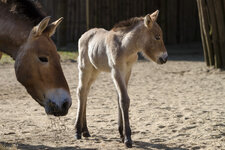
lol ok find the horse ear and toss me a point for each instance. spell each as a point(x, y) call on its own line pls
point(50, 30)
point(154, 15)
point(150, 19)
point(38, 29)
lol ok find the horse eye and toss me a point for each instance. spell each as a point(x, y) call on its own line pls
point(157, 37)
point(43, 59)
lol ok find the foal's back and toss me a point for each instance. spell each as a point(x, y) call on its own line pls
point(92, 49)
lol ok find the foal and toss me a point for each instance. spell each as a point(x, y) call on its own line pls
point(116, 51)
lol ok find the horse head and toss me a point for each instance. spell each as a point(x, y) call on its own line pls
point(38, 68)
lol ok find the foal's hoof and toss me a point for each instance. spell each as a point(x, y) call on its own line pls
point(128, 143)
point(122, 139)
point(86, 134)
point(77, 136)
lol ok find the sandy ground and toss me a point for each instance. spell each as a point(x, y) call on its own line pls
point(180, 105)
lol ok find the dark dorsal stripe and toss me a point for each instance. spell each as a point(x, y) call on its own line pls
point(27, 9)
point(127, 24)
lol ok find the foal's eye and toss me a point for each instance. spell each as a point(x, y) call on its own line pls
point(157, 37)
point(43, 59)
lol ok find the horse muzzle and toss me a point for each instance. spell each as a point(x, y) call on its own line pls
point(163, 58)
point(52, 108)
point(58, 102)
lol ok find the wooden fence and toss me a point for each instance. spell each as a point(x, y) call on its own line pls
point(178, 18)
point(212, 20)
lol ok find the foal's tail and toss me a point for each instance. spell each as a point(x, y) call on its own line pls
point(83, 45)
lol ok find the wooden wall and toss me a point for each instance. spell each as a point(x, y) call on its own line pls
point(178, 18)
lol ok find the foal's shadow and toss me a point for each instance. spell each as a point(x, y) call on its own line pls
point(41, 147)
point(138, 144)
point(150, 146)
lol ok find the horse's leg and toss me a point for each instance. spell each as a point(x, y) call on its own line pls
point(120, 120)
point(81, 97)
point(124, 103)
point(86, 77)
point(0, 55)
point(92, 79)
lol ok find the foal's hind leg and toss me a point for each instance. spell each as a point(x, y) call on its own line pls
point(86, 77)
point(85, 131)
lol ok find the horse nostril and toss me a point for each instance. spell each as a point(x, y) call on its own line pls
point(51, 103)
point(65, 105)
point(161, 60)
point(166, 58)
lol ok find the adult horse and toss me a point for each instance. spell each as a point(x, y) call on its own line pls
point(116, 51)
point(25, 36)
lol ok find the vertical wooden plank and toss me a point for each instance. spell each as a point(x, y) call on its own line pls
point(62, 12)
point(87, 15)
point(172, 21)
point(221, 27)
point(215, 38)
point(206, 31)
point(162, 18)
point(202, 23)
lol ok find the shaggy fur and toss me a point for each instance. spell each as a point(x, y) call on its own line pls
point(127, 24)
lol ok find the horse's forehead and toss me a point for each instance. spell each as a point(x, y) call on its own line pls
point(44, 44)
point(156, 29)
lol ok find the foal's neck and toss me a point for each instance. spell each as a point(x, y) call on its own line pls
point(14, 33)
point(132, 37)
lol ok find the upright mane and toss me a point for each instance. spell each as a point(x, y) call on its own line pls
point(127, 24)
point(25, 9)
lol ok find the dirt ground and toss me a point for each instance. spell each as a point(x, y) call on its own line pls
point(179, 105)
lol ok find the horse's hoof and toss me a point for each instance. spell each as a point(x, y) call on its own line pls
point(86, 134)
point(128, 143)
point(77, 136)
point(122, 139)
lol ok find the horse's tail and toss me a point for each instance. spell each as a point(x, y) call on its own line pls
point(83, 45)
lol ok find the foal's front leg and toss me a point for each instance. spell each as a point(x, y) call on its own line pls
point(120, 119)
point(124, 102)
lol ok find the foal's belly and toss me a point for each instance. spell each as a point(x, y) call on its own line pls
point(99, 60)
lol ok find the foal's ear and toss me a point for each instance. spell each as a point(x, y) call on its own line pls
point(50, 30)
point(150, 19)
point(38, 29)
point(154, 15)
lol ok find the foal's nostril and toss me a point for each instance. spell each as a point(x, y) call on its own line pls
point(166, 58)
point(163, 59)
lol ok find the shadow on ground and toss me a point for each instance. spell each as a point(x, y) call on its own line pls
point(41, 147)
point(150, 146)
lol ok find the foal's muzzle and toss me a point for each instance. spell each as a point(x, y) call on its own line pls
point(163, 59)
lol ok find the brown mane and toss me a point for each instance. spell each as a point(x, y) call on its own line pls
point(127, 24)
point(24, 9)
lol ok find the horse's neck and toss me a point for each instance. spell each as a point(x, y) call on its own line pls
point(14, 33)
point(130, 39)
